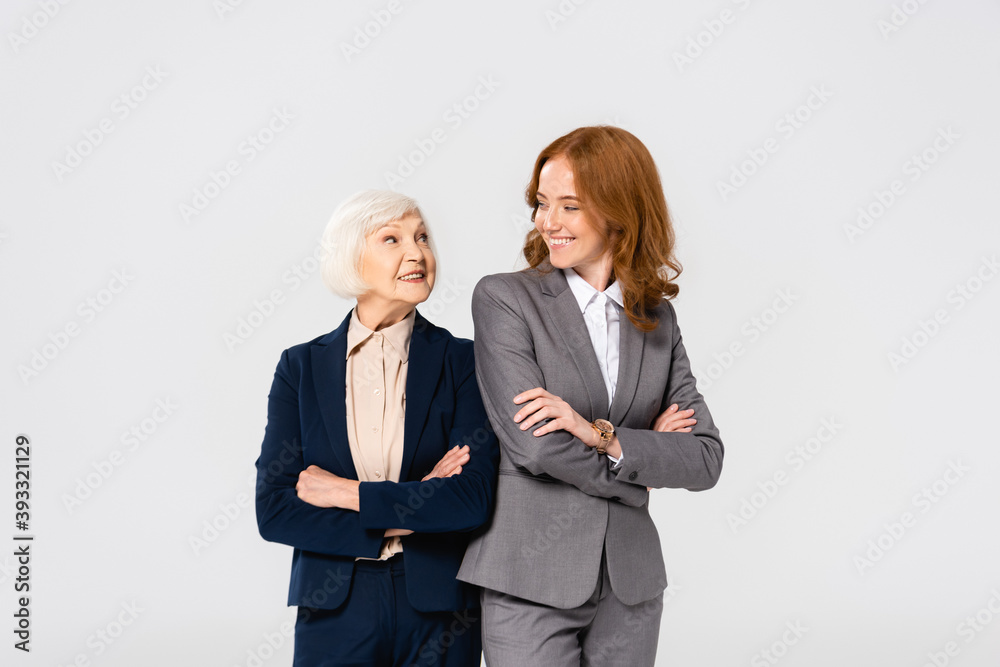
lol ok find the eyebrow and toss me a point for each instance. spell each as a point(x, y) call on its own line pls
point(396, 228)
point(573, 197)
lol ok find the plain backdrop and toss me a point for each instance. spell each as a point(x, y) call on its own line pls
point(831, 169)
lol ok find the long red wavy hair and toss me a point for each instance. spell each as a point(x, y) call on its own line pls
point(617, 180)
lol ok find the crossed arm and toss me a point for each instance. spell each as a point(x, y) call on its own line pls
point(677, 452)
point(313, 509)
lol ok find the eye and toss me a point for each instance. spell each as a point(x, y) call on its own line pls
point(542, 205)
point(423, 238)
point(389, 239)
point(571, 208)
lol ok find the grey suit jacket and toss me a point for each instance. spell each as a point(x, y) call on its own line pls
point(558, 503)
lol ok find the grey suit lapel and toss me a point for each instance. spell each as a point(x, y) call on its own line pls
point(629, 362)
point(563, 314)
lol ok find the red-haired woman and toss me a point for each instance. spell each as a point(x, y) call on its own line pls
point(585, 379)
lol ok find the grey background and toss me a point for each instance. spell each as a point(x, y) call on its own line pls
point(555, 66)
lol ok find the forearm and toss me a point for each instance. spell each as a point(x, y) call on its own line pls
point(282, 517)
point(458, 503)
point(562, 456)
point(670, 459)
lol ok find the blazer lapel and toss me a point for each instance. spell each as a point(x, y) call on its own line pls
point(329, 368)
point(565, 317)
point(630, 350)
point(425, 365)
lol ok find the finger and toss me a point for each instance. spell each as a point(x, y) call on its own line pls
point(534, 405)
point(554, 425)
point(530, 394)
point(541, 415)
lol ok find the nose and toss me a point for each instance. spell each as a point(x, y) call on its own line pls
point(549, 220)
point(413, 252)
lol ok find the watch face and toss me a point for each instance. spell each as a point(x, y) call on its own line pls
point(604, 425)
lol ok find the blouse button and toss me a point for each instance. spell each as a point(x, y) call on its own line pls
point(374, 429)
point(378, 474)
point(378, 391)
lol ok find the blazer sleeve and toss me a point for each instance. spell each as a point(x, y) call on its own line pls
point(506, 366)
point(281, 515)
point(675, 460)
point(461, 502)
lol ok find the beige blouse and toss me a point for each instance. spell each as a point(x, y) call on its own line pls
point(376, 402)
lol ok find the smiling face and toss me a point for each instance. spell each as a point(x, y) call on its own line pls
point(569, 230)
point(399, 268)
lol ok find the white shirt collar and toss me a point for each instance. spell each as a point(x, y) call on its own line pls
point(585, 292)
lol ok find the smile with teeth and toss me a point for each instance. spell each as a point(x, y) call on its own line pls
point(413, 277)
point(560, 241)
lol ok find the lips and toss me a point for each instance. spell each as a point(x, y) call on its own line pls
point(560, 242)
point(412, 277)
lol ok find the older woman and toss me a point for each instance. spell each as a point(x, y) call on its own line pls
point(585, 377)
point(378, 458)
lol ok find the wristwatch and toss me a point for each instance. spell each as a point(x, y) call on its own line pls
point(605, 429)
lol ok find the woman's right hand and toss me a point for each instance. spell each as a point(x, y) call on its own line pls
point(673, 419)
point(450, 464)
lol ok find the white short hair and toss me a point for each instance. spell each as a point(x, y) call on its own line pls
point(344, 240)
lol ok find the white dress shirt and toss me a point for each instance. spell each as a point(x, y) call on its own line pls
point(602, 314)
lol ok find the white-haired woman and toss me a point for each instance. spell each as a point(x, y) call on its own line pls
point(378, 459)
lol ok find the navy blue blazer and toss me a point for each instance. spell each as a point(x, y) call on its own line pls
point(306, 425)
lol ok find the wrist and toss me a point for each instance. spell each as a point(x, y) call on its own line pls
point(614, 448)
point(347, 494)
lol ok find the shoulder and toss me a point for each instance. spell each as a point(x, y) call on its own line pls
point(439, 335)
point(299, 355)
point(505, 286)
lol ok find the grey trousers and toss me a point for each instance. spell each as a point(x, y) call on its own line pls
point(602, 632)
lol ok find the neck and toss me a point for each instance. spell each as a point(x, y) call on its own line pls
point(377, 316)
point(597, 274)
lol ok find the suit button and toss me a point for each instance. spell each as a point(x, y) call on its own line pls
point(615, 498)
point(632, 475)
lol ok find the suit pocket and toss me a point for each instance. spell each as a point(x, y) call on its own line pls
point(524, 473)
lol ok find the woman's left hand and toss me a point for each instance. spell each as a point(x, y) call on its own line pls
point(544, 405)
point(324, 489)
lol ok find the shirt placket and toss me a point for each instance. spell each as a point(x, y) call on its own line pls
point(377, 453)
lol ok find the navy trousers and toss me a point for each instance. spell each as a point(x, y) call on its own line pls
point(377, 626)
